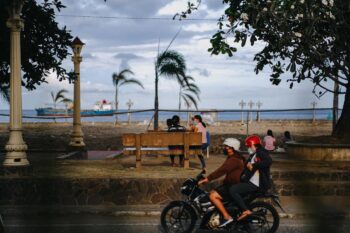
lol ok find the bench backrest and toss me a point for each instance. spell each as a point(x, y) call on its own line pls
point(163, 139)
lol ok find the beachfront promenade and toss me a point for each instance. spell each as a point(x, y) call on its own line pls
point(93, 193)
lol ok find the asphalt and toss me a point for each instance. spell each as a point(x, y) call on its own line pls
point(137, 224)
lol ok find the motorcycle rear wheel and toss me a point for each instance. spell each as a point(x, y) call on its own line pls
point(178, 217)
point(265, 218)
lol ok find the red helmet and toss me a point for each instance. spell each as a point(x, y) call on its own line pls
point(252, 140)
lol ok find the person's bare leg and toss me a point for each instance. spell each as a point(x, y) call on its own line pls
point(216, 199)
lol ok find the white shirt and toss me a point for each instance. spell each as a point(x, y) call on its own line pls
point(255, 178)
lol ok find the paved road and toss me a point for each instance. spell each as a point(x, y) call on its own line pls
point(112, 224)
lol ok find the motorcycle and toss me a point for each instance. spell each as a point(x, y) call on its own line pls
point(181, 216)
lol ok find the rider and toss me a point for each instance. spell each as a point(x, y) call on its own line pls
point(232, 168)
point(255, 176)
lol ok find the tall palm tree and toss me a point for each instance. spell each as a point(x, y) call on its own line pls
point(59, 97)
point(189, 93)
point(120, 79)
point(172, 65)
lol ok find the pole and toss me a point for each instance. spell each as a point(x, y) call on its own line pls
point(251, 104)
point(77, 141)
point(242, 104)
point(16, 147)
point(258, 104)
point(129, 104)
point(313, 112)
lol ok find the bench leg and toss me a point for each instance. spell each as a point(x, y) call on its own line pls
point(186, 163)
point(138, 164)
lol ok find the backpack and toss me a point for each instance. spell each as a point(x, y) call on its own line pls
point(208, 138)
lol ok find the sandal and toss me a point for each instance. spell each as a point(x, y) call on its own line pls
point(244, 215)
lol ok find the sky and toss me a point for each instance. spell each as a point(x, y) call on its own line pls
point(112, 44)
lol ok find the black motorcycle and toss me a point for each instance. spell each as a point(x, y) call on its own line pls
point(181, 216)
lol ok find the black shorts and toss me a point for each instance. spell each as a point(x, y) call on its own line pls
point(224, 191)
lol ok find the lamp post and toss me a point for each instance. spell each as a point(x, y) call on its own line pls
point(16, 147)
point(313, 111)
point(129, 104)
point(251, 104)
point(258, 104)
point(242, 104)
point(77, 141)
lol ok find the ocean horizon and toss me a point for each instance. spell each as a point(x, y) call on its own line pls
point(146, 117)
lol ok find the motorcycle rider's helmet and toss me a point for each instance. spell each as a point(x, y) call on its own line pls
point(232, 142)
point(252, 140)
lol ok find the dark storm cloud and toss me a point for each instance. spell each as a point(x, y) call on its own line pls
point(106, 32)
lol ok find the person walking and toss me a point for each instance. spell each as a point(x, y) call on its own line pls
point(200, 127)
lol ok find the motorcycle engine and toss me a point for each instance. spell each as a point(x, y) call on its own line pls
point(214, 220)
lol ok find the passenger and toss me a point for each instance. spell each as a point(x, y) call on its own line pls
point(270, 141)
point(176, 127)
point(255, 176)
point(169, 123)
point(200, 127)
point(232, 169)
point(287, 137)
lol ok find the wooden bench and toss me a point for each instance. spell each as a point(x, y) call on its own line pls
point(158, 143)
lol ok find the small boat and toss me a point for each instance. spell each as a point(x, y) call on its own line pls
point(101, 108)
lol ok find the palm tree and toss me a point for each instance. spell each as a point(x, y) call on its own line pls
point(189, 93)
point(172, 65)
point(59, 97)
point(4, 92)
point(120, 79)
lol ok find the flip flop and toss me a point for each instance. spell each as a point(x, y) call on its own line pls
point(244, 215)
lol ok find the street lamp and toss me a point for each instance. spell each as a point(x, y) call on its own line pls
point(242, 104)
point(16, 147)
point(77, 141)
point(251, 104)
point(129, 104)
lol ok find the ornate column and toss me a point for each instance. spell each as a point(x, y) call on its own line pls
point(77, 141)
point(15, 147)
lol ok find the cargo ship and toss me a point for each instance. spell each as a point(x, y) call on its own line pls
point(101, 108)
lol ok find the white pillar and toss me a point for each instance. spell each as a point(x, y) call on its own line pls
point(15, 147)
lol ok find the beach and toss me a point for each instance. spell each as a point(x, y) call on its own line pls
point(107, 136)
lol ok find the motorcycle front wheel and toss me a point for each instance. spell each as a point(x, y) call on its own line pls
point(178, 217)
point(265, 218)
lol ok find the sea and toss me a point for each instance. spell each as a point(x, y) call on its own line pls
point(146, 117)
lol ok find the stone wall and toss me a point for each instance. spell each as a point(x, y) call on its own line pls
point(104, 191)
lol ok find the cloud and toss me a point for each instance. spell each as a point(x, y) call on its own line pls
point(127, 56)
point(203, 72)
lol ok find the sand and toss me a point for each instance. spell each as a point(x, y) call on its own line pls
point(107, 136)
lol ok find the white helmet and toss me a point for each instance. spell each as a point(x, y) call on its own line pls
point(232, 142)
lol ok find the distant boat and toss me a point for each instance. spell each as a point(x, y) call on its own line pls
point(101, 108)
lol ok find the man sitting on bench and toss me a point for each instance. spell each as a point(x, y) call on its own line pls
point(176, 127)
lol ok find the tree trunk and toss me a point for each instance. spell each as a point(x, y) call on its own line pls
point(180, 99)
point(156, 104)
point(342, 129)
point(116, 105)
point(335, 104)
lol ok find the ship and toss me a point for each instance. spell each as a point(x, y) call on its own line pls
point(100, 108)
